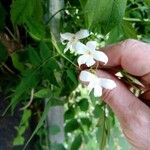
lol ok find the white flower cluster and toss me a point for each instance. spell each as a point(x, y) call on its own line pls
point(87, 55)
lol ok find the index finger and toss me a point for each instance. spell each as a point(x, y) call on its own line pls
point(131, 55)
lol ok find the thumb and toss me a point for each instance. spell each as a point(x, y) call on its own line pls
point(124, 104)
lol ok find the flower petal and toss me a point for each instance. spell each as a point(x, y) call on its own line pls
point(66, 36)
point(82, 59)
point(100, 56)
point(80, 48)
point(86, 76)
point(90, 87)
point(97, 91)
point(90, 61)
point(107, 83)
point(67, 47)
point(91, 45)
point(82, 34)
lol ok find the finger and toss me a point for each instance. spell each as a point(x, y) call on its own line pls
point(146, 80)
point(125, 105)
point(131, 55)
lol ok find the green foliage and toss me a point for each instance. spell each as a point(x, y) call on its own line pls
point(43, 93)
point(17, 63)
point(147, 2)
point(40, 123)
point(76, 143)
point(33, 56)
point(24, 124)
point(83, 104)
point(29, 81)
point(36, 29)
point(108, 13)
point(40, 64)
point(21, 10)
point(72, 125)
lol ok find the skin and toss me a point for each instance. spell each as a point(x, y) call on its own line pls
point(132, 113)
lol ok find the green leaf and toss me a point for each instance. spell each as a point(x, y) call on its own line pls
point(33, 56)
point(24, 123)
point(38, 10)
point(86, 122)
point(28, 81)
point(72, 75)
point(70, 113)
point(44, 51)
point(128, 30)
point(108, 13)
point(43, 93)
point(16, 62)
point(26, 116)
point(2, 16)
point(83, 104)
point(147, 2)
point(36, 29)
point(76, 143)
point(19, 140)
point(83, 2)
point(21, 10)
point(115, 35)
point(52, 64)
point(40, 123)
point(50, 76)
point(98, 111)
point(72, 125)
point(3, 53)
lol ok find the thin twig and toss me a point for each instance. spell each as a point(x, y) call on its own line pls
point(5, 66)
point(54, 15)
point(30, 101)
point(11, 33)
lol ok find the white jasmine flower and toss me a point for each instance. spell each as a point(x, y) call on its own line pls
point(72, 39)
point(89, 54)
point(95, 83)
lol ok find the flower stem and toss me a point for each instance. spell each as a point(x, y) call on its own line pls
point(58, 50)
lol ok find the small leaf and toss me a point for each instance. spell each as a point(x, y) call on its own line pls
point(26, 116)
point(19, 140)
point(86, 122)
point(76, 143)
point(83, 104)
point(72, 125)
point(43, 93)
point(69, 114)
point(16, 62)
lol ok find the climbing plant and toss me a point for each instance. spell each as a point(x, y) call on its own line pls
point(37, 75)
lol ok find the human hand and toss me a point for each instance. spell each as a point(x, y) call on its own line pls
point(134, 116)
